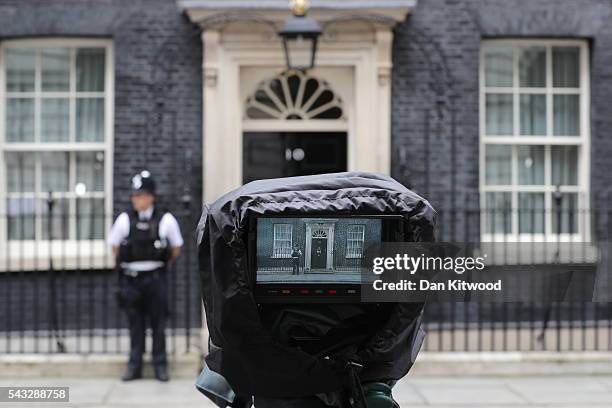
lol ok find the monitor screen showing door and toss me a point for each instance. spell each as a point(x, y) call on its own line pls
point(316, 258)
point(313, 250)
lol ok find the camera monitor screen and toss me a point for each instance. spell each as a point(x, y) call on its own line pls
point(315, 259)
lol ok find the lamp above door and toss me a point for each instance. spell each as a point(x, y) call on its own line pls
point(300, 35)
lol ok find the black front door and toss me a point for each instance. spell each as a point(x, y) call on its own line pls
point(318, 253)
point(283, 154)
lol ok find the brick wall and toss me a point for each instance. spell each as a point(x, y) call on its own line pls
point(158, 125)
point(435, 89)
point(158, 97)
point(158, 101)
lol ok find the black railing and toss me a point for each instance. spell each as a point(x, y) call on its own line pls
point(57, 295)
point(519, 326)
point(538, 238)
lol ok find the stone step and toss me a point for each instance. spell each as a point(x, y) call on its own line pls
point(187, 365)
point(13, 366)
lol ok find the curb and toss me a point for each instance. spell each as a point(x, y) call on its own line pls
point(90, 366)
point(512, 363)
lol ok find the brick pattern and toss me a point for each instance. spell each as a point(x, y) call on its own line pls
point(158, 125)
point(158, 105)
point(435, 134)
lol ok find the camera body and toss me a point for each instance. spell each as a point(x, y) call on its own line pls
point(282, 265)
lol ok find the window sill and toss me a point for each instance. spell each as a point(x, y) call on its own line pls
point(28, 256)
point(530, 238)
point(534, 252)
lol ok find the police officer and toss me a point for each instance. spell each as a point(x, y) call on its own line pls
point(145, 240)
point(295, 257)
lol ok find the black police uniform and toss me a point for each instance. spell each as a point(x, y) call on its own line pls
point(144, 241)
point(144, 293)
point(295, 256)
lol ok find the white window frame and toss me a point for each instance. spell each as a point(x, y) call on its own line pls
point(582, 142)
point(278, 243)
point(359, 228)
point(67, 254)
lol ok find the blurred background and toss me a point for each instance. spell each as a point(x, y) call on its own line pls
point(498, 112)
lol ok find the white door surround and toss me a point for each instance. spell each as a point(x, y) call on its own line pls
point(242, 36)
point(327, 228)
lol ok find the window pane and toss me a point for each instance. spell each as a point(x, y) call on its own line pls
point(90, 120)
point(354, 241)
point(566, 67)
point(255, 113)
point(54, 171)
point(498, 215)
point(54, 121)
point(57, 222)
point(90, 170)
point(20, 69)
point(530, 165)
point(564, 165)
point(90, 69)
point(282, 241)
point(498, 165)
point(90, 221)
point(20, 171)
point(20, 218)
point(531, 213)
point(498, 66)
point(499, 114)
point(533, 115)
point(55, 69)
point(20, 120)
point(532, 67)
point(565, 212)
point(566, 115)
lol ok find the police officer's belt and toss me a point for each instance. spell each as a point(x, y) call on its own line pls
point(138, 274)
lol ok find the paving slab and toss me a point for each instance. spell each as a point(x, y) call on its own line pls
point(411, 392)
point(82, 391)
point(473, 395)
point(562, 390)
point(173, 393)
point(605, 381)
point(407, 395)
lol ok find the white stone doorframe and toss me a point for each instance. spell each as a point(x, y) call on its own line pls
point(369, 127)
point(233, 39)
point(310, 226)
point(243, 34)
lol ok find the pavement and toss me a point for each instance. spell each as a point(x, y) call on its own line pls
point(413, 392)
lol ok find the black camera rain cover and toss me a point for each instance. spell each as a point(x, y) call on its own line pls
point(241, 349)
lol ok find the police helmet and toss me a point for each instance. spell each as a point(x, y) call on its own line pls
point(143, 183)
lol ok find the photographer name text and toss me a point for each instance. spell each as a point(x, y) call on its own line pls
point(427, 285)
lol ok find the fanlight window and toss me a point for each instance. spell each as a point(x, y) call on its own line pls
point(319, 233)
point(294, 96)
